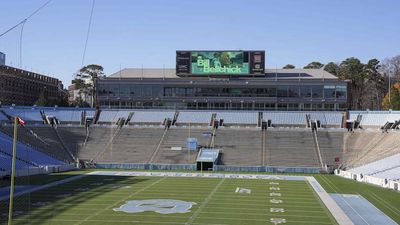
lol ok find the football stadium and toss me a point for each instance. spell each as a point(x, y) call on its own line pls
point(206, 166)
point(206, 134)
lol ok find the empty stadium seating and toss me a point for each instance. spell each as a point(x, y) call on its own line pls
point(68, 116)
point(73, 136)
point(194, 117)
point(239, 146)
point(331, 145)
point(238, 117)
point(240, 141)
point(97, 141)
point(286, 118)
point(26, 156)
point(291, 148)
point(147, 116)
point(130, 145)
point(28, 114)
point(176, 137)
point(363, 147)
point(73, 115)
point(6, 163)
point(42, 139)
point(328, 119)
point(107, 116)
point(375, 118)
point(391, 173)
point(379, 166)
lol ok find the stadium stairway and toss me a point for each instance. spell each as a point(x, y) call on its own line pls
point(73, 136)
point(264, 152)
point(330, 145)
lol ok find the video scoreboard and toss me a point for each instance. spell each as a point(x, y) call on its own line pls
point(220, 62)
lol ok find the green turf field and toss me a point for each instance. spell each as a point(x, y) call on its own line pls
point(91, 200)
point(388, 201)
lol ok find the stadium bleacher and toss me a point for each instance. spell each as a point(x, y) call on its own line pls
point(363, 147)
point(129, 145)
point(239, 146)
point(283, 148)
point(176, 139)
point(245, 118)
point(379, 167)
point(286, 118)
point(65, 116)
point(5, 163)
point(107, 116)
point(73, 115)
point(43, 139)
point(375, 118)
point(26, 156)
point(240, 141)
point(147, 116)
point(392, 174)
point(331, 145)
point(29, 114)
point(194, 117)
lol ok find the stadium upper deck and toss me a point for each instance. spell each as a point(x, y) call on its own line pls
point(223, 80)
point(281, 89)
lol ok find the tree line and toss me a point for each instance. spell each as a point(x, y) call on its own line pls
point(368, 83)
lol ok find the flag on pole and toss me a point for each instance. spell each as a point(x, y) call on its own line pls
point(20, 121)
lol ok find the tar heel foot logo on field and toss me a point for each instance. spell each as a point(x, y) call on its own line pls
point(163, 206)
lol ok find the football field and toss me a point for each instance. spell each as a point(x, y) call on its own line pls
point(171, 200)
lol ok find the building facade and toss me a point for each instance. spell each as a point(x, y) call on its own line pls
point(277, 89)
point(2, 59)
point(21, 87)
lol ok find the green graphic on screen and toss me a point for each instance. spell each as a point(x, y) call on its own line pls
point(219, 63)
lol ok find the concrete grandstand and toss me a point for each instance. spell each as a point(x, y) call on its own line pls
point(158, 138)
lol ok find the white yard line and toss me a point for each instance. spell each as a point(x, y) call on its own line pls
point(204, 203)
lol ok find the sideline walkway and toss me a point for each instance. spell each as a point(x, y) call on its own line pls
point(361, 211)
point(335, 210)
point(206, 175)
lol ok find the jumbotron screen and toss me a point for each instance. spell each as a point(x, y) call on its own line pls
point(220, 62)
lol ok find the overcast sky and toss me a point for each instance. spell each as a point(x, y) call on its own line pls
point(136, 33)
